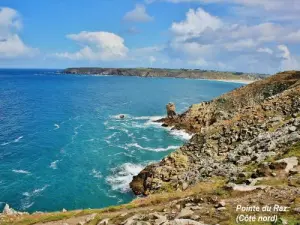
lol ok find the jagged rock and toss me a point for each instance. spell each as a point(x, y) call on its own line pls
point(287, 164)
point(221, 203)
point(185, 213)
point(103, 222)
point(131, 220)
point(242, 188)
point(10, 211)
point(171, 110)
point(89, 218)
point(159, 219)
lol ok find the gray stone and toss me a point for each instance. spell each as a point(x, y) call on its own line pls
point(103, 222)
point(290, 163)
point(184, 222)
point(185, 213)
point(185, 186)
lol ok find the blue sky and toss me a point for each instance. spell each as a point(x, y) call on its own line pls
point(237, 35)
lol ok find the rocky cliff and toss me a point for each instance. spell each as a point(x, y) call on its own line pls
point(244, 127)
point(245, 152)
point(176, 73)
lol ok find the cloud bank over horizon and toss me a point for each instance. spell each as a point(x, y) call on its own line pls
point(195, 34)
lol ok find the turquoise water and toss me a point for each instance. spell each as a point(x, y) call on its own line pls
point(62, 144)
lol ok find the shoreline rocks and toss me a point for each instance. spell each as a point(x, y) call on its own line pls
point(248, 125)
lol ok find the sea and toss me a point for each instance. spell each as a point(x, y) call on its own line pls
point(63, 144)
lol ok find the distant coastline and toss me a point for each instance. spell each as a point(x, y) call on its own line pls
point(172, 73)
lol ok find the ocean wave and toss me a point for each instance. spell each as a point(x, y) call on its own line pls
point(21, 171)
point(136, 145)
point(122, 176)
point(18, 139)
point(53, 165)
point(27, 201)
point(96, 174)
point(147, 117)
point(5, 143)
point(35, 192)
point(14, 141)
point(130, 117)
point(181, 134)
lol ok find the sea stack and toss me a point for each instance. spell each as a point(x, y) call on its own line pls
point(171, 110)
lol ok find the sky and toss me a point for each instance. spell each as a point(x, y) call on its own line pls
point(257, 36)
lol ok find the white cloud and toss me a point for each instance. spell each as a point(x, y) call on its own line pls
point(103, 46)
point(138, 14)
point(289, 62)
point(265, 50)
point(212, 43)
point(195, 23)
point(240, 45)
point(11, 45)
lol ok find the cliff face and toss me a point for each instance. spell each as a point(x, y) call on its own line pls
point(246, 126)
point(176, 73)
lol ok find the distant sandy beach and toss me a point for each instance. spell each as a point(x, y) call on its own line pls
point(238, 81)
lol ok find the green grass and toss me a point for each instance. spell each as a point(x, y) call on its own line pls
point(294, 150)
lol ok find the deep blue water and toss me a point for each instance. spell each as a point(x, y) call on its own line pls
point(62, 144)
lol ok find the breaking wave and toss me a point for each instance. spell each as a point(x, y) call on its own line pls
point(122, 176)
point(27, 201)
point(21, 171)
point(136, 145)
point(53, 165)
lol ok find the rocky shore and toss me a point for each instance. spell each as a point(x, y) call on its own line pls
point(247, 126)
point(175, 73)
point(245, 152)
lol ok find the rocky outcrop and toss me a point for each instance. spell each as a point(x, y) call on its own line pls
point(171, 110)
point(7, 210)
point(248, 125)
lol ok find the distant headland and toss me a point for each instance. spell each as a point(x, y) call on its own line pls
point(175, 73)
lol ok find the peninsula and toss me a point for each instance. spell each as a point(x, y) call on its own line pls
point(176, 73)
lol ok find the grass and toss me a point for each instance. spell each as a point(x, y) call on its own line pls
point(294, 150)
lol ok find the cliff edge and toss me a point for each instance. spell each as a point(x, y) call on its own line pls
point(243, 127)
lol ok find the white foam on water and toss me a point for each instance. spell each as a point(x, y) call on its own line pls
point(5, 143)
point(90, 140)
point(147, 117)
point(53, 165)
point(27, 205)
point(122, 176)
point(118, 117)
point(27, 202)
point(56, 126)
point(181, 134)
point(21, 171)
point(18, 139)
point(96, 174)
point(136, 145)
point(145, 138)
point(14, 141)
